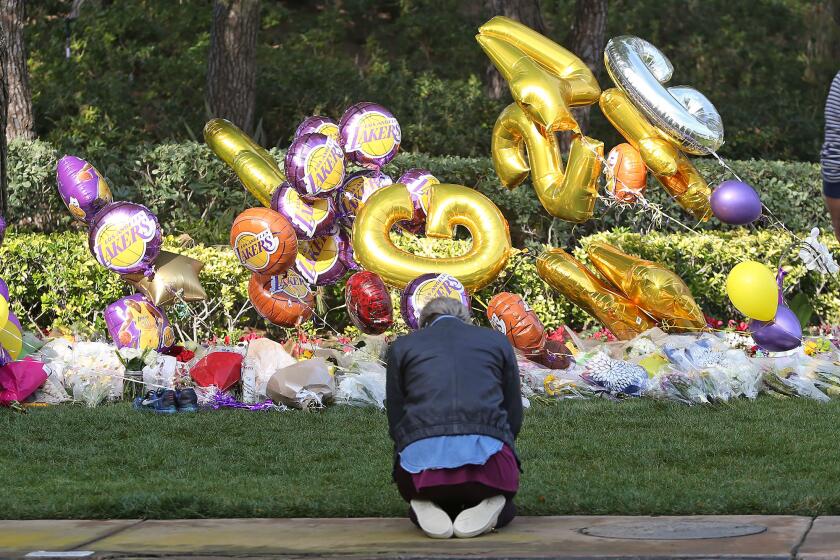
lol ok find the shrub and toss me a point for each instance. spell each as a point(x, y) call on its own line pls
point(193, 192)
point(54, 282)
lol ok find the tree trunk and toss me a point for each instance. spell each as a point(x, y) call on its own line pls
point(232, 65)
point(19, 113)
point(587, 39)
point(3, 98)
point(526, 11)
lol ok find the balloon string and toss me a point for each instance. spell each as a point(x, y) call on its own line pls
point(611, 200)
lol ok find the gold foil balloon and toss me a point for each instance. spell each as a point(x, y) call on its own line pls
point(667, 163)
point(568, 276)
point(449, 206)
point(254, 166)
point(568, 194)
point(651, 286)
point(174, 274)
point(545, 79)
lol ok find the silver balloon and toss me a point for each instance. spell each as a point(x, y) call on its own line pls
point(681, 113)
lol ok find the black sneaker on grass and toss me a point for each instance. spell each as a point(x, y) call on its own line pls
point(161, 401)
point(186, 400)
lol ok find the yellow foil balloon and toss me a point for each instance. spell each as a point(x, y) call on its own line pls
point(449, 206)
point(544, 78)
point(173, 274)
point(667, 163)
point(651, 286)
point(568, 276)
point(569, 195)
point(254, 166)
point(753, 291)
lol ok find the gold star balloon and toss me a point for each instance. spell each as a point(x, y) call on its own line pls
point(174, 274)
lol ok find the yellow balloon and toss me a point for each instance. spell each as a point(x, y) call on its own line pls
point(174, 273)
point(544, 78)
point(651, 286)
point(4, 311)
point(568, 276)
point(752, 288)
point(11, 338)
point(668, 164)
point(449, 206)
point(254, 166)
point(569, 195)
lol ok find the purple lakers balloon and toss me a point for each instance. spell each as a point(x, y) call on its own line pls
point(135, 322)
point(82, 188)
point(309, 219)
point(321, 125)
point(355, 191)
point(370, 135)
point(345, 250)
point(125, 237)
point(425, 288)
point(314, 165)
point(319, 261)
point(419, 183)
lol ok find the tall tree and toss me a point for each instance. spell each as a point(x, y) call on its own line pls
point(19, 116)
point(526, 11)
point(587, 39)
point(3, 98)
point(232, 65)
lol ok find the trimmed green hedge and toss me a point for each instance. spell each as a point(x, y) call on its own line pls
point(53, 280)
point(193, 192)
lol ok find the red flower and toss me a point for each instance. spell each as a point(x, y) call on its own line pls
point(185, 355)
point(559, 335)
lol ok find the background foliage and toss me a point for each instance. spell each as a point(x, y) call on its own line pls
point(766, 64)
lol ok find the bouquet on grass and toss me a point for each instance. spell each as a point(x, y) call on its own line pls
point(134, 361)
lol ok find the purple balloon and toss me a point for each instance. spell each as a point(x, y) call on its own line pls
point(355, 191)
point(370, 135)
point(314, 165)
point(321, 125)
point(2, 229)
point(309, 219)
point(82, 188)
point(135, 322)
point(427, 287)
point(4, 289)
point(125, 237)
point(419, 183)
point(319, 261)
point(783, 333)
point(736, 203)
point(345, 250)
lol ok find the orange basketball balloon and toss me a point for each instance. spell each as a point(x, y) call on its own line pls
point(264, 241)
point(285, 300)
point(626, 172)
point(511, 316)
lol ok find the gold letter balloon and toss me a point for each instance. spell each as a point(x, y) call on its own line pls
point(449, 206)
point(636, 295)
point(545, 81)
point(254, 166)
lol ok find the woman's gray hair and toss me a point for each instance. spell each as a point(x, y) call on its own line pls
point(443, 306)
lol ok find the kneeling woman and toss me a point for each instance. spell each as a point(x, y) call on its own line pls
point(454, 411)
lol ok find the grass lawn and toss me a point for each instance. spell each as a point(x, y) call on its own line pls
point(634, 457)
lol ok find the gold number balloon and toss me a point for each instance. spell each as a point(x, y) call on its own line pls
point(568, 276)
point(545, 79)
point(569, 195)
point(254, 166)
point(668, 164)
point(651, 286)
point(449, 206)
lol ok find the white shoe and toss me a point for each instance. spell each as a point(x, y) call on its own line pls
point(479, 519)
point(432, 520)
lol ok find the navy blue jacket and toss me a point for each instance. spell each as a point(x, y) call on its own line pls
point(452, 378)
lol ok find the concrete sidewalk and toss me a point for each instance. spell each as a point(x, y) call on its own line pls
point(528, 537)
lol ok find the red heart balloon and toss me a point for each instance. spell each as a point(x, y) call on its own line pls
point(222, 369)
